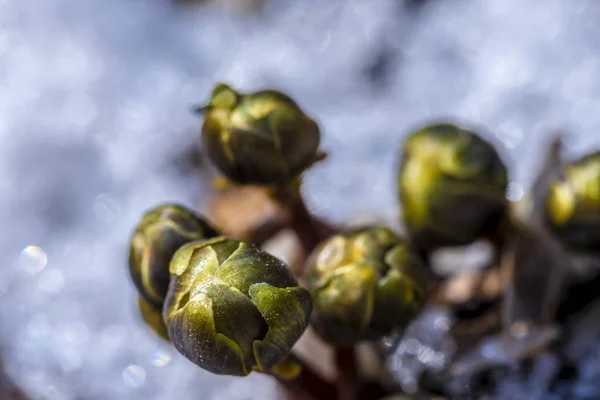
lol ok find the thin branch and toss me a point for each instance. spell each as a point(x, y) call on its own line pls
point(309, 385)
point(347, 374)
point(310, 229)
point(266, 231)
point(305, 226)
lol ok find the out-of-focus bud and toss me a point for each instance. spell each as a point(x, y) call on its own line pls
point(232, 308)
point(364, 284)
point(262, 138)
point(153, 318)
point(452, 185)
point(160, 233)
point(573, 204)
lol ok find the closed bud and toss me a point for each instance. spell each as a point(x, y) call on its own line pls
point(573, 204)
point(232, 308)
point(364, 284)
point(262, 138)
point(452, 185)
point(157, 237)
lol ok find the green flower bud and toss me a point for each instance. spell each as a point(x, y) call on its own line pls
point(263, 138)
point(153, 318)
point(157, 237)
point(452, 185)
point(573, 204)
point(364, 284)
point(232, 308)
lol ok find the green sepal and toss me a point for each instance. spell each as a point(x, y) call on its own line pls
point(192, 331)
point(286, 311)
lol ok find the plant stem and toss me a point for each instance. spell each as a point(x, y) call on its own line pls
point(308, 385)
point(304, 225)
point(309, 229)
point(347, 374)
point(265, 231)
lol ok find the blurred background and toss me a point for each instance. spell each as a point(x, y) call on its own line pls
point(95, 128)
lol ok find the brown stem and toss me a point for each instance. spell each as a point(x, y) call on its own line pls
point(308, 385)
point(372, 391)
point(347, 374)
point(309, 229)
point(304, 225)
point(265, 231)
